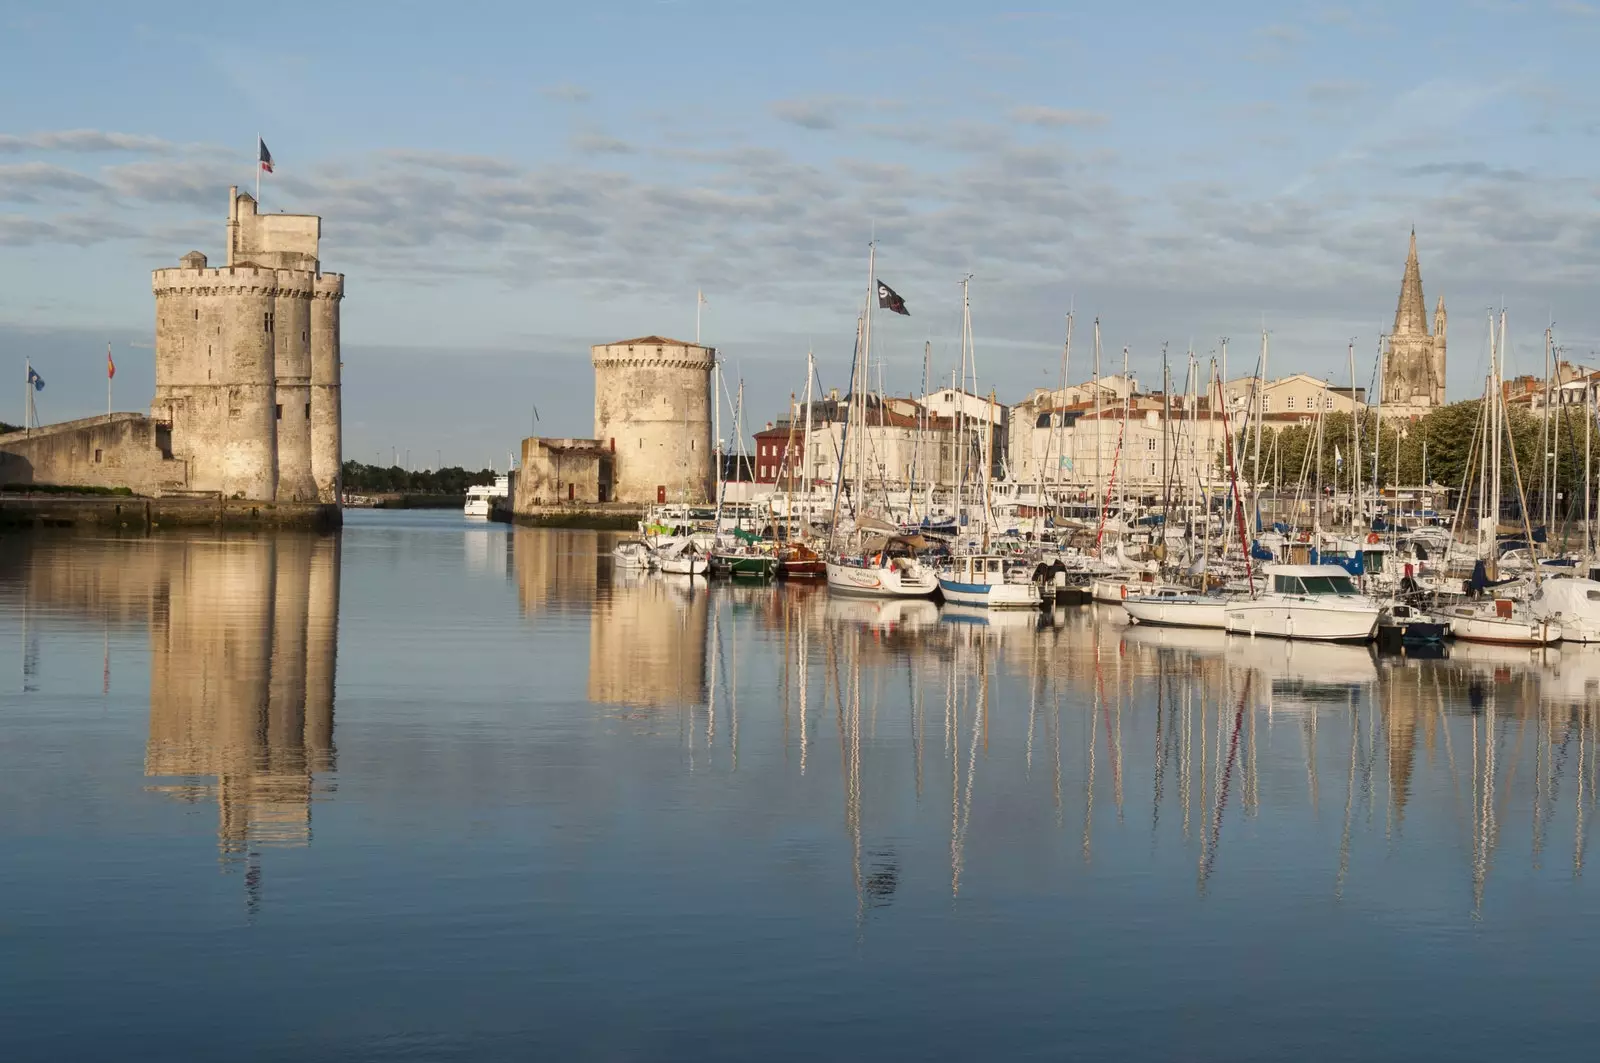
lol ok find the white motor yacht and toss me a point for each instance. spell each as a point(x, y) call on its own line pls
point(1318, 602)
point(480, 497)
point(633, 553)
point(1572, 602)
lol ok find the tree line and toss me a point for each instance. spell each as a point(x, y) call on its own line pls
point(363, 479)
point(1445, 443)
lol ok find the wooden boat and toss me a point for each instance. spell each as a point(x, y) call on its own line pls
point(799, 561)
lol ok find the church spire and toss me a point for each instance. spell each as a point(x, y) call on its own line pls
point(1411, 316)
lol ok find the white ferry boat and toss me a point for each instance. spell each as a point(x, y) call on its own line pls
point(480, 497)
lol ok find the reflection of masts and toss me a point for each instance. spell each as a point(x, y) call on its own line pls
point(1209, 859)
point(805, 690)
point(1349, 805)
point(980, 725)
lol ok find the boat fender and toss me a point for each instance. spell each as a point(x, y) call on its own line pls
point(1372, 537)
point(1124, 592)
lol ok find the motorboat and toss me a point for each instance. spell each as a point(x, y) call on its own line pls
point(887, 568)
point(633, 553)
point(1175, 606)
point(1318, 602)
point(1573, 602)
point(480, 497)
point(1401, 625)
point(981, 580)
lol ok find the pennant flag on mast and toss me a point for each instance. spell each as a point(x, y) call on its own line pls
point(888, 299)
point(35, 379)
point(263, 156)
point(111, 367)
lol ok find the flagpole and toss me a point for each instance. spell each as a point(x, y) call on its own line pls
point(108, 379)
point(27, 396)
point(258, 171)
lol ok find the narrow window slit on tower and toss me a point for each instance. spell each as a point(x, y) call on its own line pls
point(280, 411)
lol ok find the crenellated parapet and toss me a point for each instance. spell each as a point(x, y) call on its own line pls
point(247, 361)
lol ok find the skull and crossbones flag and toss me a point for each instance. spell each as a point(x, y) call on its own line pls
point(888, 299)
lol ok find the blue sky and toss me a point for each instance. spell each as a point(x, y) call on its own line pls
point(505, 184)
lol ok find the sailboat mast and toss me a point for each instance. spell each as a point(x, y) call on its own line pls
point(1261, 425)
point(1355, 444)
point(1097, 430)
point(1127, 409)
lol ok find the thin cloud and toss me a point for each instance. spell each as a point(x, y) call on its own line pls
point(600, 144)
point(814, 114)
point(566, 93)
point(80, 140)
point(1057, 117)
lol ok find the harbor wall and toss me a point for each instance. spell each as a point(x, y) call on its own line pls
point(111, 450)
point(150, 514)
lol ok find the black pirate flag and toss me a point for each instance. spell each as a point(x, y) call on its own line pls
point(888, 299)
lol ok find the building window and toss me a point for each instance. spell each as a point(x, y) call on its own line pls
point(1289, 402)
point(1266, 404)
point(266, 322)
point(308, 411)
point(1327, 403)
point(197, 315)
point(97, 455)
point(280, 411)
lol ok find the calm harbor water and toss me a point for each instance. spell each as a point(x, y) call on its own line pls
point(434, 790)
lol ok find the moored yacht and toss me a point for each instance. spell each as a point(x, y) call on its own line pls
point(1305, 602)
point(887, 568)
point(480, 497)
point(980, 580)
point(1177, 607)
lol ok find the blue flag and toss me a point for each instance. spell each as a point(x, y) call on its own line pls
point(35, 379)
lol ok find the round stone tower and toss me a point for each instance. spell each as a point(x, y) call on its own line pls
point(652, 410)
point(291, 329)
point(215, 375)
point(326, 436)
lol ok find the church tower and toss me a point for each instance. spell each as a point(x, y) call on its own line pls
point(1414, 358)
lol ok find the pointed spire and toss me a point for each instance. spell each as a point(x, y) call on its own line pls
point(1411, 316)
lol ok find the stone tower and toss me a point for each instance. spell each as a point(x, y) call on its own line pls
point(1414, 359)
point(247, 361)
point(652, 410)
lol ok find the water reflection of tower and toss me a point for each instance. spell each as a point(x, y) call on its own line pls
point(243, 637)
point(554, 566)
point(647, 643)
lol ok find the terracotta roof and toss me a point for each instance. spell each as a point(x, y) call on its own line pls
point(652, 341)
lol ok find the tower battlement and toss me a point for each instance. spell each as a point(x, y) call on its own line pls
point(652, 411)
point(247, 361)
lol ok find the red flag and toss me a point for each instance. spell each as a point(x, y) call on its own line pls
point(263, 156)
point(111, 367)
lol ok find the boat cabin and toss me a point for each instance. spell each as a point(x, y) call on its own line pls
point(1310, 580)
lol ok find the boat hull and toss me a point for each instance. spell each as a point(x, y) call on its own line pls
point(804, 569)
point(865, 582)
point(1505, 631)
point(684, 566)
point(991, 595)
point(1178, 612)
point(1299, 620)
point(742, 566)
